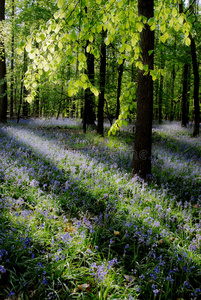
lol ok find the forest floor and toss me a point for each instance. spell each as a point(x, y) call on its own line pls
point(75, 225)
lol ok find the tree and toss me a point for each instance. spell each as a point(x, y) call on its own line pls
point(193, 11)
point(12, 61)
point(184, 103)
point(143, 133)
point(120, 74)
point(3, 83)
point(196, 87)
point(102, 84)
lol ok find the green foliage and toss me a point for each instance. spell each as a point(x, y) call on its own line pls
point(128, 107)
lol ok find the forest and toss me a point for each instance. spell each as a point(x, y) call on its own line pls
point(100, 153)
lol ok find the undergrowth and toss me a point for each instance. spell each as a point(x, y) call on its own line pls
point(75, 225)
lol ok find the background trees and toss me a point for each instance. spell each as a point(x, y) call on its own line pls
point(57, 63)
point(3, 82)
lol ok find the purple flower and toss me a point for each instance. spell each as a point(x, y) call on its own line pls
point(44, 280)
point(2, 269)
point(11, 294)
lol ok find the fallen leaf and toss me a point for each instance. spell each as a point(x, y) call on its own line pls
point(129, 277)
point(84, 286)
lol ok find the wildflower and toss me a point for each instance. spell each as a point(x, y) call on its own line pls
point(186, 284)
point(11, 294)
point(142, 276)
point(2, 269)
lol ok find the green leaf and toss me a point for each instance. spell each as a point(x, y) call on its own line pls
point(181, 20)
point(60, 45)
point(150, 52)
point(60, 3)
point(38, 39)
point(128, 48)
point(28, 47)
point(42, 36)
point(99, 28)
point(139, 64)
point(91, 38)
point(174, 12)
point(73, 36)
point(140, 27)
point(171, 22)
point(29, 98)
point(122, 48)
point(19, 50)
point(125, 123)
point(107, 41)
point(84, 78)
point(32, 54)
point(146, 68)
point(188, 41)
point(46, 67)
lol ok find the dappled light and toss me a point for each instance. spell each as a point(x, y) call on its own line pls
point(75, 225)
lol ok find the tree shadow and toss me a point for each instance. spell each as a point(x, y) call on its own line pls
point(109, 228)
point(177, 167)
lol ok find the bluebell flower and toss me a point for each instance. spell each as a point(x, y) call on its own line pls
point(2, 269)
point(11, 294)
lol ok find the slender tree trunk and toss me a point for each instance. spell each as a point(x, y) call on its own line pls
point(25, 104)
point(3, 83)
point(160, 99)
point(12, 62)
point(102, 85)
point(171, 117)
point(89, 113)
point(21, 99)
point(196, 87)
point(120, 75)
point(143, 134)
point(184, 101)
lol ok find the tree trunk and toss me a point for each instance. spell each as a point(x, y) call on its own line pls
point(102, 85)
point(184, 101)
point(89, 98)
point(25, 104)
point(3, 83)
point(171, 117)
point(160, 99)
point(196, 87)
point(12, 62)
point(21, 99)
point(143, 134)
point(120, 75)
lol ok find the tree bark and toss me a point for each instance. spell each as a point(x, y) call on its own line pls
point(12, 62)
point(171, 117)
point(3, 82)
point(160, 98)
point(184, 103)
point(89, 98)
point(143, 134)
point(25, 104)
point(196, 87)
point(120, 75)
point(102, 85)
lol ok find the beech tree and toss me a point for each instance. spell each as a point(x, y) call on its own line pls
point(77, 38)
point(3, 83)
point(143, 133)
